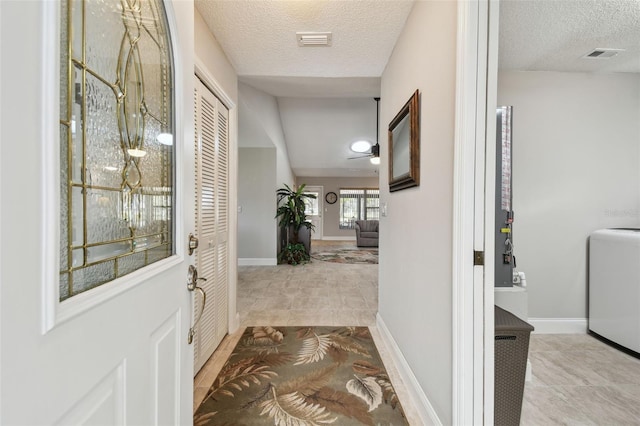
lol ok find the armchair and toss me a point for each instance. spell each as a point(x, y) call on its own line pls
point(367, 233)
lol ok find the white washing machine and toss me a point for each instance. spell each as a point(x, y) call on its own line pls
point(614, 286)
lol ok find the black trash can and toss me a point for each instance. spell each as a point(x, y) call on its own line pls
point(511, 352)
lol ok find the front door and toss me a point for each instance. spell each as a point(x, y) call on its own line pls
point(314, 210)
point(116, 352)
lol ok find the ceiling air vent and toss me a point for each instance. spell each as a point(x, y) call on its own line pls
point(309, 39)
point(600, 53)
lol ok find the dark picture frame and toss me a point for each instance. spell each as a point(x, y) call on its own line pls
point(404, 146)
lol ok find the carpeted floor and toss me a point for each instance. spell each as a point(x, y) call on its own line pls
point(302, 376)
point(346, 255)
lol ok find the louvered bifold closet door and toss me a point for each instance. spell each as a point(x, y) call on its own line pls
point(211, 220)
point(222, 222)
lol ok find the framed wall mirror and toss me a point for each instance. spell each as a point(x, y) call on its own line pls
point(404, 146)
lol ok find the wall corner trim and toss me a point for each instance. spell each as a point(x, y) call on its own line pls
point(423, 406)
point(247, 261)
point(559, 325)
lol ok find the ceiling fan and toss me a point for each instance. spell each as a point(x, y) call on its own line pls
point(374, 151)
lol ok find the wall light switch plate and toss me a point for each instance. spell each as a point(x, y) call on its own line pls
point(239, 209)
point(383, 209)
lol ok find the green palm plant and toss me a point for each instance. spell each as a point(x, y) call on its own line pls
point(291, 212)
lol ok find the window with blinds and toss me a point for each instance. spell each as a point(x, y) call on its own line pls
point(358, 204)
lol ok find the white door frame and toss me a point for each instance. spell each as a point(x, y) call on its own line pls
point(491, 103)
point(472, 293)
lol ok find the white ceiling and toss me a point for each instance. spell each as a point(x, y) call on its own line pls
point(259, 37)
point(552, 35)
point(325, 94)
point(335, 123)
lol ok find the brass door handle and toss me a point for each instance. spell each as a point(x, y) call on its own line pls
point(192, 285)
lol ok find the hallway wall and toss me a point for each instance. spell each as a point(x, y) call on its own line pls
point(416, 235)
point(209, 51)
point(264, 109)
point(257, 228)
point(260, 126)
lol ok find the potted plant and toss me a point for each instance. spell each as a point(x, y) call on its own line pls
point(291, 212)
point(293, 254)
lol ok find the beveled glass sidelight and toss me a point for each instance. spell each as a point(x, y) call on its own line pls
point(116, 115)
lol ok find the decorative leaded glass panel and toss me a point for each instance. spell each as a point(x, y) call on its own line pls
point(116, 141)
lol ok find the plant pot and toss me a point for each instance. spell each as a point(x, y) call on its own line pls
point(304, 237)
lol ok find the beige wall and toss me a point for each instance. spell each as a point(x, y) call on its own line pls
point(257, 238)
point(264, 110)
point(331, 214)
point(416, 235)
point(209, 52)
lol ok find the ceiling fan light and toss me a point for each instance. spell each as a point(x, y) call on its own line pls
point(375, 160)
point(361, 146)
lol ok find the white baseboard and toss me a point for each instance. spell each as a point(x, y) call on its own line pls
point(420, 401)
point(559, 325)
point(247, 261)
point(338, 239)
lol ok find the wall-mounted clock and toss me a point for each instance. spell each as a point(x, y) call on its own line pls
point(331, 197)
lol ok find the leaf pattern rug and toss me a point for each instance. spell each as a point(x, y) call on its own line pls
point(347, 255)
point(302, 376)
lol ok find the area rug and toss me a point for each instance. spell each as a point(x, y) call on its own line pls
point(302, 376)
point(347, 255)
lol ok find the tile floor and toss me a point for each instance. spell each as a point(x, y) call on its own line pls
point(317, 293)
point(577, 380)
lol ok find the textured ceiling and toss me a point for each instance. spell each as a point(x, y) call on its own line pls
point(548, 35)
point(259, 37)
point(325, 93)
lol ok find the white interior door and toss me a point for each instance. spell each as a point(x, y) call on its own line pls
point(116, 354)
point(314, 210)
point(212, 220)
